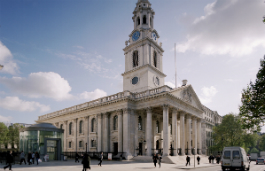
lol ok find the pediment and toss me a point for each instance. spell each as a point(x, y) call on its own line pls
point(187, 94)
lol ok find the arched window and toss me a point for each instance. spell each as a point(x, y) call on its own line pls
point(155, 59)
point(144, 19)
point(70, 128)
point(140, 127)
point(135, 58)
point(93, 125)
point(138, 20)
point(61, 127)
point(80, 143)
point(115, 122)
point(157, 127)
point(80, 126)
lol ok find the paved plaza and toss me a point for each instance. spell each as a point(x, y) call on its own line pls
point(70, 165)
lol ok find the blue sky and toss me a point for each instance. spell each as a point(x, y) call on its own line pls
point(57, 54)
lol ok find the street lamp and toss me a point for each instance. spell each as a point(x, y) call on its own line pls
point(1, 67)
point(194, 157)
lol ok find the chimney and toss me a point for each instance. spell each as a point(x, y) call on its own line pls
point(184, 82)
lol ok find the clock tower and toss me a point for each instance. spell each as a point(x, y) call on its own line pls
point(143, 53)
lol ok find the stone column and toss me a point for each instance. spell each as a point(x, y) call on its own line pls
point(161, 132)
point(175, 132)
point(120, 131)
point(153, 132)
point(149, 132)
point(199, 135)
point(194, 134)
point(99, 116)
point(165, 131)
point(182, 133)
point(126, 134)
point(65, 136)
point(75, 134)
point(86, 133)
point(188, 125)
point(105, 125)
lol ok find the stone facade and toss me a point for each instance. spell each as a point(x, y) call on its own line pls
point(147, 116)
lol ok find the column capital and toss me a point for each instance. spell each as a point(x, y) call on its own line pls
point(149, 109)
point(165, 106)
point(182, 114)
point(76, 119)
point(126, 110)
point(199, 119)
point(194, 118)
point(175, 110)
point(65, 122)
point(188, 116)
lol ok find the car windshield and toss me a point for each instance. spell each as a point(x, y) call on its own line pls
point(236, 155)
point(227, 154)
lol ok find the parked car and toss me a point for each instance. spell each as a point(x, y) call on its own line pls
point(234, 158)
point(260, 161)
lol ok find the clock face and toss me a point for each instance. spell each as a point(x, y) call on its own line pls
point(135, 35)
point(154, 36)
point(135, 80)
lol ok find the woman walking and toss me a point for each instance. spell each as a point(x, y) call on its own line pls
point(9, 161)
point(159, 160)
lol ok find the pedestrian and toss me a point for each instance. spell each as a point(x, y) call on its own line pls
point(76, 157)
point(159, 160)
point(9, 161)
point(86, 162)
point(22, 157)
point(29, 158)
point(212, 159)
point(198, 159)
point(155, 159)
point(37, 155)
point(33, 157)
point(100, 159)
point(187, 160)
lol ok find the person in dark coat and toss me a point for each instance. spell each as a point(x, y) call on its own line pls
point(209, 158)
point(29, 158)
point(187, 160)
point(86, 162)
point(9, 161)
point(100, 159)
point(76, 157)
point(37, 155)
point(155, 159)
point(198, 159)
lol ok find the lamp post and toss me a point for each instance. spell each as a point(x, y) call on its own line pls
point(1, 67)
point(194, 156)
point(86, 147)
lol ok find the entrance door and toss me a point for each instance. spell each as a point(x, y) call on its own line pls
point(52, 149)
point(140, 149)
point(115, 148)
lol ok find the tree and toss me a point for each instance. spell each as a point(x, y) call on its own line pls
point(3, 133)
point(13, 135)
point(262, 143)
point(228, 133)
point(252, 110)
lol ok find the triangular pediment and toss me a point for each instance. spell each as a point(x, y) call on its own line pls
point(187, 94)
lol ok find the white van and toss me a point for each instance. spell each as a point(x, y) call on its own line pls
point(234, 157)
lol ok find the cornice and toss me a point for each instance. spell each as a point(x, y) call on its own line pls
point(144, 66)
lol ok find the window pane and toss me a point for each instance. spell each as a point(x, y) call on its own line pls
point(227, 154)
point(236, 155)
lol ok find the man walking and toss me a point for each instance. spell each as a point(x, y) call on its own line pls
point(33, 157)
point(37, 155)
point(155, 159)
point(9, 161)
point(100, 159)
point(22, 157)
point(187, 160)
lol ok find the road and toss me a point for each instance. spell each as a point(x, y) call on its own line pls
point(117, 166)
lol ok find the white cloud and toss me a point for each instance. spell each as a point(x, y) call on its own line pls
point(41, 84)
point(16, 104)
point(207, 94)
point(5, 119)
point(93, 95)
point(6, 59)
point(231, 27)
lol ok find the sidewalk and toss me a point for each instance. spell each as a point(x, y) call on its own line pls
point(202, 165)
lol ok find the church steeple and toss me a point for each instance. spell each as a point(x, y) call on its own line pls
point(143, 53)
point(143, 15)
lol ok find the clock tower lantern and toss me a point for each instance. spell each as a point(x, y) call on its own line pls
point(143, 53)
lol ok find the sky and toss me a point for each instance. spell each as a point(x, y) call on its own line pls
point(58, 54)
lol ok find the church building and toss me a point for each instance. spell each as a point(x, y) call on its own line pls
point(147, 116)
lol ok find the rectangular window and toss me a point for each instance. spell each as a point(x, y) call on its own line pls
point(227, 155)
point(236, 155)
point(69, 144)
point(93, 143)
